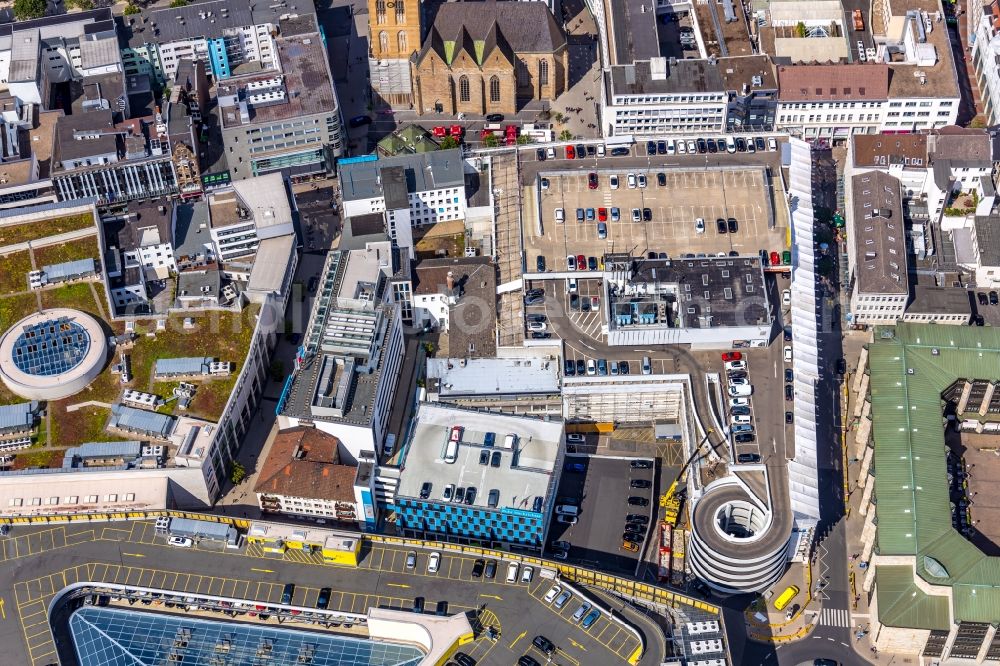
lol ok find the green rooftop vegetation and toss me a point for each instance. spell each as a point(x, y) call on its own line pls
point(32, 231)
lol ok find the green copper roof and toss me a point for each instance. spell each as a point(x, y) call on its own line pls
point(449, 51)
point(902, 604)
point(910, 366)
point(480, 47)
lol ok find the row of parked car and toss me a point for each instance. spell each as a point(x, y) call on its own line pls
point(740, 390)
point(701, 146)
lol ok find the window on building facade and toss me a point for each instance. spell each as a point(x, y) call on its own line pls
point(401, 41)
point(380, 12)
point(383, 41)
point(463, 89)
point(543, 72)
point(523, 78)
point(400, 13)
point(494, 89)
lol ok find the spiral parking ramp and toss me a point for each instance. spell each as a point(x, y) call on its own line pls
point(739, 542)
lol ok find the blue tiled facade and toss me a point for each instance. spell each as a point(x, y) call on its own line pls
point(458, 522)
point(219, 58)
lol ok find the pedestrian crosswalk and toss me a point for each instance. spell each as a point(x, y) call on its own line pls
point(835, 617)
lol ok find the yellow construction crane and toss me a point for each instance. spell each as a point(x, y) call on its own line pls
point(671, 500)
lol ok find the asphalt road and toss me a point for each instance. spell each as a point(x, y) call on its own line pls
point(38, 562)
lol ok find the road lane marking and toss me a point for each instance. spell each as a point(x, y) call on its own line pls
point(133, 554)
point(262, 570)
point(403, 585)
point(519, 637)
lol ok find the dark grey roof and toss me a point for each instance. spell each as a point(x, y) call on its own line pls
point(131, 419)
point(879, 240)
point(473, 319)
point(190, 238)
point(206, 283)
point(68, 148)
point(528, 27)
point(681, 76)
point(92, 15)
point(633, 31)
point(177, 23)
point(988, 238)
point(424, 171)
point(394, 188)
point(940, 300)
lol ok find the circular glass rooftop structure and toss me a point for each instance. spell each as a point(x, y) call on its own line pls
point(52, 354)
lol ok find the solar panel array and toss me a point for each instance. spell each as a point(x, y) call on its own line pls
point(111, 637)
point(51, 347)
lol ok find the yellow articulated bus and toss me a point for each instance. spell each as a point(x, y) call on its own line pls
point(786, 596)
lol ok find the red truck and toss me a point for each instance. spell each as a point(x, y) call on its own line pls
point(859, 21)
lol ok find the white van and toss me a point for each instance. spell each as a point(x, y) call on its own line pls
point(740, 391)
point(451, 453)
point(509, 441)
point(560, 215)
point(741, 419)
point(568, 510)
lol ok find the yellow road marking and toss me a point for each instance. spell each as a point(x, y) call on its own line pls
point(577, 645)
point(134, 554)
point(492, 596)
point(262, 570)
point(398, 585)
point(3, 611)
point(519, 637)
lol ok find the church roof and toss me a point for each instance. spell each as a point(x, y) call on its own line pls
point(482, 27)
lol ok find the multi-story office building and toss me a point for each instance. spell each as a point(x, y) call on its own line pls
point(984, 28)
point(247, 213)
point(346, 374)
point(411, 190)
point(288, 118)
point(448, 451)
point(225, 34)
point(877, 250)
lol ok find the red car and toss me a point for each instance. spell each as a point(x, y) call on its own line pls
point(602, 214)
point(581, 262)
point(775, 259)
point(456, 131)
point(732, 356)
point(439, 131)
point(570, 153)
point(592, 181)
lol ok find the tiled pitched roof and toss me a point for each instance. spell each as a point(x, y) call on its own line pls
point(820, 83)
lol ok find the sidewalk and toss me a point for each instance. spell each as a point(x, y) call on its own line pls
point(765, 624)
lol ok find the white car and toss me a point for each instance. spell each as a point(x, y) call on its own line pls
point(591, 367)
point(772, 143)
point(433, 562)
point(180, 542)
point(699, 225)
point(739, 381)
point(566, 520)
point(786, 297)
point(788, 353)
point(526, 574)
point(740, 391)
point(552, 594)
point(682, 147)
point(600, 150)
point(631, 181)
point(545, 183)
point(671, 147)
point(537, 326)
point(732, 366)
point(636, 215)
point(642, 179)
point(512, 572)
point(550, 153)
point(739, 402)
point(614, 181)
point(692, 147)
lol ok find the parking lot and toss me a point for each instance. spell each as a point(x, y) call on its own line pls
point(667, 213)
point(602, 491)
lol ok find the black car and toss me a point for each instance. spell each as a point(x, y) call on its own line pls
point(702, 146)
point(789, 375)
point(569, 367)
point(533, 299)
point(495, 459)
point(591, 151)
point(470, 496)
point(323, 600)
point(661, 179)
point(425, 490)
point(638, 501)
point(491, 569)
point(620, 151)
point(418, 604)
point(712, 148)
point(494, 117)
point(841, 366)
point(743, 438)
point(623, 367)
point(463, 659)
point(287, 593)
point(788, 333)
point(637, 518)
point(748, 458)
point(993, 298)
point(733, 226)
point(701, 588)
point(661, 147)
point(359, 121)
point(536, 317)
point(647, 215)
point(592, 263)
point(526, 660)
point(739, 410)
point(581, 367)
point(789, 417)
point(721, 225)
point(632, 537)
point(484, 457)
point(581, 151)
point(442, 608)
point(741, 144)
point(641, 464)
point(760, 144)
point(651, 147)
point(982, 298)
point(737, 374)
point(477, 568)
point(721, 144)
point(540, 335)
point(636, 527)
point(789, 392)
point(545, 645)
point(639, 483)
point(540, 154)
point(540, 264)
point(979, 320)
point(459, 495)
